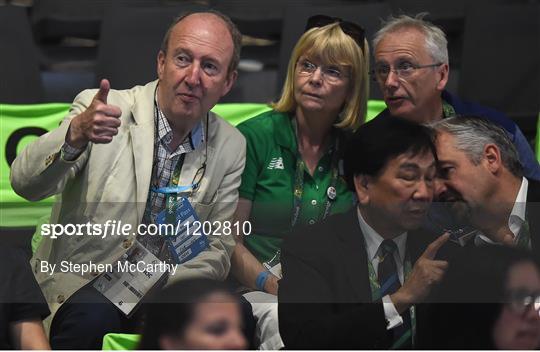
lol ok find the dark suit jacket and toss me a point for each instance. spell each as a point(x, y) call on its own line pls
point(533, 215)
point(325, 295)
point(451, 251)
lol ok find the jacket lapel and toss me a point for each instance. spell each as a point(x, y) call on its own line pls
point(194, 160)
point(354, 255)
point(417, 242)
point(142, 142)
point(533, 215)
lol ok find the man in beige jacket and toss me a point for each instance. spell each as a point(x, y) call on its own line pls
point(111, 153)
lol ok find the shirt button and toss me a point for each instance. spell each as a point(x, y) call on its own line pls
point(311, 221)
point(320, 168)
point(49, 159)
point(314, 202)
point(60, 299)
point(126, 244)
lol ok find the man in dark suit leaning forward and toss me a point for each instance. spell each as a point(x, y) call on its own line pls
point(352, 281)
point(483, 181)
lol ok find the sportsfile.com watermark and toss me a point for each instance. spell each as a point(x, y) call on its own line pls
point(118, 228)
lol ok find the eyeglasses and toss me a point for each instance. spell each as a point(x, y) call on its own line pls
point(403, 70)
point(198, 176)
point(332, 74)
point(353, 30)
point(521, 300)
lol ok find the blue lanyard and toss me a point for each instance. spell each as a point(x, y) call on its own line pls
point(172, 190)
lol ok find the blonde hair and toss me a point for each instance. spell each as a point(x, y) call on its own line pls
point(332, 46)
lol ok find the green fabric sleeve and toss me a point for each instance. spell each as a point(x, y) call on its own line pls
point(254, 148)
point(120, 342)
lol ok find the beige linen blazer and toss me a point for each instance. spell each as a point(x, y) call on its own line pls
point(111, 182)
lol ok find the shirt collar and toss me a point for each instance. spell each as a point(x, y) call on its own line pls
point(164, 130)
point(517, 215)
point(374, 240)
point(284, 135)
point(448, 109)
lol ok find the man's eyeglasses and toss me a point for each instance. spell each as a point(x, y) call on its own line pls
point(201, 170)
point(332, 74)
point(403, 70)
point(353, 30)
point(521, 300)
point(198, 177)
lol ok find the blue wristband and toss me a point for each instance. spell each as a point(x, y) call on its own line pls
point(261, 280)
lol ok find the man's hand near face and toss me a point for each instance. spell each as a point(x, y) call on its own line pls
point(97, 124)
point(425, 274)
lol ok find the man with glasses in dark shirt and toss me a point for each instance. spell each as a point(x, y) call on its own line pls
point(412, 69)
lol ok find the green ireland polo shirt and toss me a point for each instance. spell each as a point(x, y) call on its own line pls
point(268, 181)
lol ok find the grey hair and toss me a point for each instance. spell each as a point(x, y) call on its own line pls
point(436, 43)
point(471, 135)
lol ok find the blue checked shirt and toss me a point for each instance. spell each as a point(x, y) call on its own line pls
point(165, 160)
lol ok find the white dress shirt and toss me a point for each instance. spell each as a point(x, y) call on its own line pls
point(373, 242)
point(517, 215)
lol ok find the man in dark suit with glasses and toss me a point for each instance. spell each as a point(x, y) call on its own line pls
point(353, 281)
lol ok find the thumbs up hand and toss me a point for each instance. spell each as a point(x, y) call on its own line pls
point(99, 123)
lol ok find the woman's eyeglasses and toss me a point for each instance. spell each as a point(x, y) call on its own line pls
point(521, 300)
point(332, 74)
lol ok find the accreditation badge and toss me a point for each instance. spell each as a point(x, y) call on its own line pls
point(185, 238)
point(135, 273)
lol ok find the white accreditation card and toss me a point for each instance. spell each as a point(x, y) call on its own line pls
point(135, 273)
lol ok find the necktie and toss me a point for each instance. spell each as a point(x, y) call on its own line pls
point(523, 239)
point(389, 281)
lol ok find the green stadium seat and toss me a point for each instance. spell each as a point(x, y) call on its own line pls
point(120, 342)
point(537, 142)
point(36, 119)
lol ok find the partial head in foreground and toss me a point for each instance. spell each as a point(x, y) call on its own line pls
point(489, 299)
point(193, 314)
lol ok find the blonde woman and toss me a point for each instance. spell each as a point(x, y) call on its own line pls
point(293, 175)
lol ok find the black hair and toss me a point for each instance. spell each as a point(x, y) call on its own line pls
point(372, 146)
point(170, 311)
point(465, 306)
